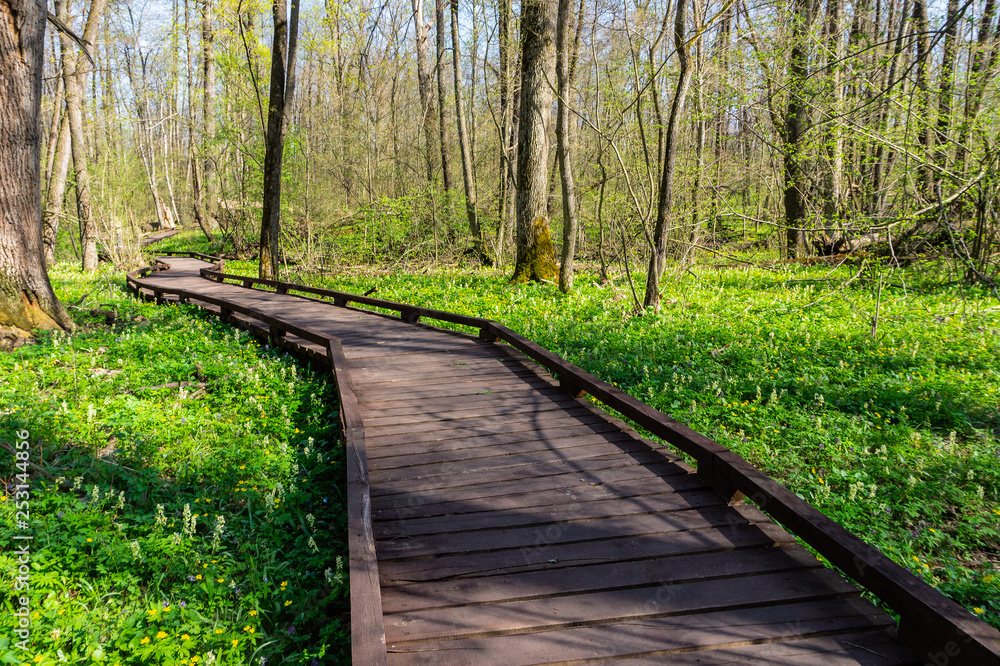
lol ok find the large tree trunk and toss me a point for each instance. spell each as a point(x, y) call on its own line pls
point(468, 176)
point(565, 156)
point(796, 121)
point(197, 187)
point(666, 193)
point(535, 254)
point(278, 107)
point(27, 300)
point(424, 86)
point(442, 122)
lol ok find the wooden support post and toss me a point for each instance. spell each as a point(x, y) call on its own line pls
point(280, 289)
point(158, 295)
point(340, 302)
point(409, 316)
point(276, 333)
point(566, 385)
point(486, 335)
point(247, 284)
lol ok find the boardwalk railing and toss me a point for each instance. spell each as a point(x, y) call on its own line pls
point(932, 626)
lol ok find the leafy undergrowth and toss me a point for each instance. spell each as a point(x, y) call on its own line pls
point(173, 524)
point(888, 423)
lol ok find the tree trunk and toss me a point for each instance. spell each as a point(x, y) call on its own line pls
point(27, 300)
point(666, 190)
point(424, 86)
point(279, 104)
point(947, 84)
point(208, 101)
point(925, 136)
point(196, 184)
point(505, 131)
point(468, 176)
point(565, 156)
point(835, 138)
point(535, 254)
point(56, 195)
point(442, 93)
point(795, 127)
point(979, 76)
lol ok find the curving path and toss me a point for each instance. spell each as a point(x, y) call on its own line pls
point(516, 524)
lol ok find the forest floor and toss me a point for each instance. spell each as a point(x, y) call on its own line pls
point(185, 491)
point(873, 394)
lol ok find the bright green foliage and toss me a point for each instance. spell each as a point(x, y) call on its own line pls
point(895, 436)
point(181, 524)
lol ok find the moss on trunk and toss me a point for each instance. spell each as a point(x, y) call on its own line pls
point(537, 259)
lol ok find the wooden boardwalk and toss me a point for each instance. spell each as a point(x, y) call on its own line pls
point(498, 519)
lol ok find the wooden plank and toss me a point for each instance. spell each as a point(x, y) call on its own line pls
point(659, 572)
point(448, 403)
point(686, 637)
point(699, 597)
point(439, 390)
point(489, 418)
point(544, 556)
point(552, 425)
point(367, 626)
point(429, 443)
point(565, 481)
point(458, 450)
point(541, 516)
point(413, 485)
point(447, 414)
point(584, 533)
point(428, 470)
point(515, 498)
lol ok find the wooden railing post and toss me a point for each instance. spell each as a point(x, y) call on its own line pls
point(276, 333)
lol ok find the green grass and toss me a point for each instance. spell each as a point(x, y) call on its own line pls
point(894, 435)
point(175, 525)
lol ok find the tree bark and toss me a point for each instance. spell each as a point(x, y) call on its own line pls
point(27, 300)
point(835, 137)
point(796, 120)
point(279, 105)
point(979, 77)
point(564, 144)
point(56, 195)
point(506, 134)
point(535, 253)
point(208, 101)
point(468, 177)
point(442, 95)
point(925, 136)
point(424, 86)
point(75, 73)
point(666, 191)
point(197, 187)
point(947, 84)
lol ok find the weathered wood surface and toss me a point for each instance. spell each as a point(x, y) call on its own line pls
point(515, 524)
